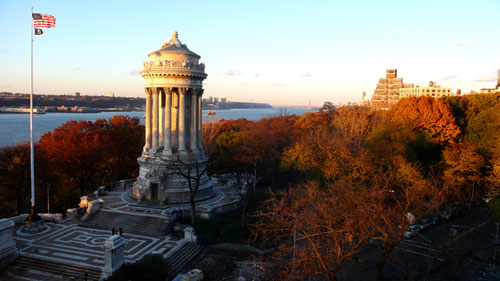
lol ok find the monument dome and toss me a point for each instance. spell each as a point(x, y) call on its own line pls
point(173, 158)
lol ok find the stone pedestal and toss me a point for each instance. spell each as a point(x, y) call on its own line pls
point(84, 201)
point(33, 226)
point(190, 236)
point(7, 243)
point(114, 255)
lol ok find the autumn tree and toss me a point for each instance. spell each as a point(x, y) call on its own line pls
point(427, 114)
point(336, 222)
point(124, 140)
point(315, 230)
point(15, 175)
point(326, 152)
point(462, 170)
point(76, 152)
point(86, 154)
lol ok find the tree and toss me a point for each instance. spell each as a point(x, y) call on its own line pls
point(427, 114)
point(326, 152)
point(15, 175)
point(193, 170)
point(314, 229)
point(87, 154)
point(76, 152)
point(483, 130)
point(339, 221)
point(462, 170)
point(124, 140)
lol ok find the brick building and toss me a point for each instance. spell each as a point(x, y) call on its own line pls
point(387, 92)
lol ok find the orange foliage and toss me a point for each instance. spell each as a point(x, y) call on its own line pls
point(85, 154)
point(428, 114)
point(462, 169)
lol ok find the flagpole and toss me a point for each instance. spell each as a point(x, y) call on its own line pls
point(32, 159)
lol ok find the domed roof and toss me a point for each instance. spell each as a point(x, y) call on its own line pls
point(174, 46)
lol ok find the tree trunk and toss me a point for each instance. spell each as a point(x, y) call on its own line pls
point(380, 274)
point(193, 209)
point(19, 197)
point(243, 212)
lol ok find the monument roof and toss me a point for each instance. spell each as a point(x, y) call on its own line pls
point(174, 46)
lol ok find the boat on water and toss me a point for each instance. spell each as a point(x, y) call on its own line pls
point(211, 113)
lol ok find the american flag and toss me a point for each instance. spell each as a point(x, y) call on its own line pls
point(42, 20)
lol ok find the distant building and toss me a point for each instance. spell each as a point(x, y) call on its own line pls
point(216, 100)
point(223, 100)
point(111, 95)
point(387, 92)
point(492, 90)
point(365, 101)
point(433, 90)
point(77, 94)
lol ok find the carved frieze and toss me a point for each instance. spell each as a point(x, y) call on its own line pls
point(173, 64)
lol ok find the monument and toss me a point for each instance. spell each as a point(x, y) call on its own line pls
point(173, 153)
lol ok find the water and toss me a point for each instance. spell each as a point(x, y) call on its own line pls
point(14, 128)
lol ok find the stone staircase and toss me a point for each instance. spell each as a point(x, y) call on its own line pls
point(129, 222)
point(72, 272)
point(181, 257)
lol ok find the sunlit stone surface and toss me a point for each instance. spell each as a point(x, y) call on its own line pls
point(173, 85)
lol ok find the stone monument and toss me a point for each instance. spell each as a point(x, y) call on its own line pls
point(173, 150)
point(114, 255)
point(7, 243)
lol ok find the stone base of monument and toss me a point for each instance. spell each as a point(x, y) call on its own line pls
point(222, 200)
point(33, 226)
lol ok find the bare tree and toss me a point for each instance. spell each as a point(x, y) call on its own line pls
point(193, 170)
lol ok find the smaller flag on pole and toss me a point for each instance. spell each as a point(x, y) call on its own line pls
point(42, 20)
point(38, 31)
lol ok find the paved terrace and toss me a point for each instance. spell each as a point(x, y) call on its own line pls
point(225, 199)
point(76, 243)
point(79, 246)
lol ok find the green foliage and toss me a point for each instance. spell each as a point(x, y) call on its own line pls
point(458, 106)
point(221, 230)
point(150, 267)
point(424, 151)
point(495, 209)
point(483, 130)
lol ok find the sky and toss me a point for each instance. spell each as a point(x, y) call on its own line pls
point(277, 52)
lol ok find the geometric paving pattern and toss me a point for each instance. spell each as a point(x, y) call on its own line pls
point(74, 245)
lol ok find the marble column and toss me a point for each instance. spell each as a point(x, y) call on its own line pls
point(148, 119)
point(200, 124)
point(155, 120)
point(161, 116)
point(193, 120)
point(182, 119)
point(167, 133)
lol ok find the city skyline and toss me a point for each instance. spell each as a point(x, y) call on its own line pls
point(280, 53)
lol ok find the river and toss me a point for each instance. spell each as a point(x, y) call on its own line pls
point(14, 128)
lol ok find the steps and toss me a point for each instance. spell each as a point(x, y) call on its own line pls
point(181, 257)
point(130, 223)
point(71, 271)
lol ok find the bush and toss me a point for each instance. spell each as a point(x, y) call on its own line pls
point(150, 267)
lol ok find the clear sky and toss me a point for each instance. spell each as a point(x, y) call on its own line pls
point(279, 52)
